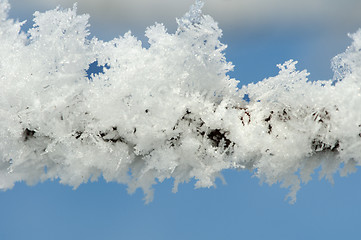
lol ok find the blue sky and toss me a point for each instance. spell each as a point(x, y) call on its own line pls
point(242, 209)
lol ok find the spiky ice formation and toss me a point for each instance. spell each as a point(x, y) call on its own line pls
point(167, 111)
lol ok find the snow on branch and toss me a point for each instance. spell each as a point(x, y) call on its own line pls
point(167, 111)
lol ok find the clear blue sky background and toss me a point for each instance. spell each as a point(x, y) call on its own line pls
point(242, 209)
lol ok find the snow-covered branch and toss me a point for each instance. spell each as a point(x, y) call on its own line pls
point(167, 111)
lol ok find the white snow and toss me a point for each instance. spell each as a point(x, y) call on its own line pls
point(167, 111)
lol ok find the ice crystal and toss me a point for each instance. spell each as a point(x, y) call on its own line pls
point(166, 111)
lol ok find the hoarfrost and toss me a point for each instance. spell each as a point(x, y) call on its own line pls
point(167, 111)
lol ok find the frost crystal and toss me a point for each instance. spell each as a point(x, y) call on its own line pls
point(167, 111)
point(194, 16)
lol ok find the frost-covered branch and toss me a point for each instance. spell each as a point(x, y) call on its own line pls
point(167, 111)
